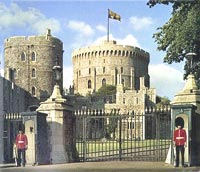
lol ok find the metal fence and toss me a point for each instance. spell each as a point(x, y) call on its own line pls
point(136, 136)
point(12, 122)
point(114, 136)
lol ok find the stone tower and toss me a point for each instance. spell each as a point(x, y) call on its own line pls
point(29, 62)
point(96, 65)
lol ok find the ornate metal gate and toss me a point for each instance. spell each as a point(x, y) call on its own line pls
point(12, 121)
point(135, 136)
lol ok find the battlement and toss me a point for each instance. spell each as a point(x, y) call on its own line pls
point(109, 48)
point(28, 39)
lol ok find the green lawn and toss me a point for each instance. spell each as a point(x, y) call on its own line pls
point(100, 146)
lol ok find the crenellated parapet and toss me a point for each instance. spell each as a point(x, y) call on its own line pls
point(109, 49)
point(99, 64)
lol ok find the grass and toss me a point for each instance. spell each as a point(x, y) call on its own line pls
point(100, 146)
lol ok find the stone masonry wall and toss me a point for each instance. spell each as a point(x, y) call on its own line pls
point(104, 62)
point(35, 75)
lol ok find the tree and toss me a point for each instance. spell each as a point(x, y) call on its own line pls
point(181, 34)
point(106, 90)
point(162, 102)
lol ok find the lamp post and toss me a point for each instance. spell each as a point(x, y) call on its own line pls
point(190, 57)
point(57, 70)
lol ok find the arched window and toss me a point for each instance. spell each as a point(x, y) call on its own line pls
point(33, 56)
point(33, 73)
point(23, 56)
point(33, 91)
point(14, 73)
point(104, 69)
point(103, 81)
point(89, 84)
point(123, 81)
point(122, 70)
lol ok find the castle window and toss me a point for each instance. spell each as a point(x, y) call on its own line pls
point(104, 82)
point(89, 71)
point(23, 56)
point(122, 70)
point(89, 84)
point(79, 73)
point(123, 81)
point(33, 57)
point(104, 69)
point(14, 73)
point(33, 73)
point(33, 91)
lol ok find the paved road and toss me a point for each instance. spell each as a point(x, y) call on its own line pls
point(116, 166)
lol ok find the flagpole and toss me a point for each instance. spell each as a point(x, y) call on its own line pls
point(108, 28)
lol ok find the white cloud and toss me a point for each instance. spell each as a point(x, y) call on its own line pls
point(140, 23)
point(101, 28)
point(67, 76)
point(128, 40)
point(81, 27)
point(13, 16)
point(167, 80)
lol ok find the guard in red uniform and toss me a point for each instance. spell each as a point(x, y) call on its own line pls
point(180, 143)
point(22, 145)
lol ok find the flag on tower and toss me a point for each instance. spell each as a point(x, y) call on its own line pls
point(113, 15)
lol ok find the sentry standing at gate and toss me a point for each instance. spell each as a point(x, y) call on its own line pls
point(22, 145)
point(180, 144)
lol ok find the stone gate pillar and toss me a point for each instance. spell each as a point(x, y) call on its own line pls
point(61, 124)
point(1, 121)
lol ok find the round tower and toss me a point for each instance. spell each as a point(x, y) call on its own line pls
point(28, 63)
point(109, 63)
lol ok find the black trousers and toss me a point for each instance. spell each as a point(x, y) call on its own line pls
point(182, 150)
point(21, 157)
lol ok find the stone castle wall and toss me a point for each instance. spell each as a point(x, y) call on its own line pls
point(95, 65)
point(29, 62)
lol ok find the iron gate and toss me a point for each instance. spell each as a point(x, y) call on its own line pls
point(105, 137)
point(12, 121)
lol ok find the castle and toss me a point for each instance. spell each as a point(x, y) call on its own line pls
point(97, 65)
point(28, 63)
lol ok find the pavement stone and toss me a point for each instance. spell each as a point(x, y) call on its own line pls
point(108, 166)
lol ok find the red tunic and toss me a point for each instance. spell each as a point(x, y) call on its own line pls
point(180, 137)
point(21, 141)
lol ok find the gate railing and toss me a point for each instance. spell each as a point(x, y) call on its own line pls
point(143, 137)
point(12, 121)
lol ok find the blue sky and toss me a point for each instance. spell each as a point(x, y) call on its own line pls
point(82, 23)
